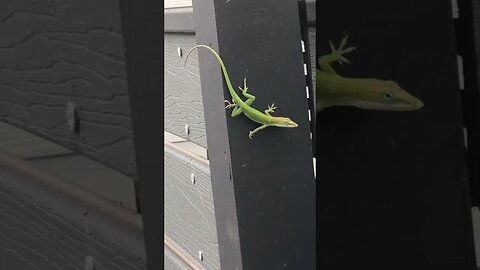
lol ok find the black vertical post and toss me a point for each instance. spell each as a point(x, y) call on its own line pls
point(302, 7)
point(263, 187)
point(142, 31)
point(465, 33)
point(392, 187)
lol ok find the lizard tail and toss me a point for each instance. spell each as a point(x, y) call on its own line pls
point(222, 65)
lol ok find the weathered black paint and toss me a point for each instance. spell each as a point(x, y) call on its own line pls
point(263, 188)
point(392, 188)
point(142, 22)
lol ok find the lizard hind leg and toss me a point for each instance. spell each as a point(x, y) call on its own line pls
point(230, 104)
point(250, 97)
point(256, 130)
point(236, 109)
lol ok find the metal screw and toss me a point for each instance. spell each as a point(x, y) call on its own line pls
point(455, 12)
point(200, 255)
point(89, 263)
point(192, 177)
point(180, 53)
point(187, 129)
point(71, 114)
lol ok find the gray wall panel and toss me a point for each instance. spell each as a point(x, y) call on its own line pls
point(48, 224)
point(183, 96)
point(56, 52)
point(189, 211)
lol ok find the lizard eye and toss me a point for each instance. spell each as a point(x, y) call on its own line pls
point(388, 96)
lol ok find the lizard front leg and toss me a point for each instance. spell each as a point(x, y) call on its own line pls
point(256, 130)
point(271, 109)
point(336, 55)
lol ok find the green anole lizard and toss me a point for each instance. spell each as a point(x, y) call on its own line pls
point(239, 106)
point(372, 94)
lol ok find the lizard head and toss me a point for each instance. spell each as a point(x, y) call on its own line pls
point(284, 122)
point(375, 94)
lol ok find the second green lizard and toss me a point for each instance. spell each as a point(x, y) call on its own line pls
point(365, 93)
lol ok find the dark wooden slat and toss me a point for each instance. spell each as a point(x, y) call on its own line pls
point(263, 188)
point(465, 36)
point(143, 43)
point(468, 28)
point(392, 188)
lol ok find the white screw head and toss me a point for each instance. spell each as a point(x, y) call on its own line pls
point(89, 263)
point(71, 114)
point(192, 178)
